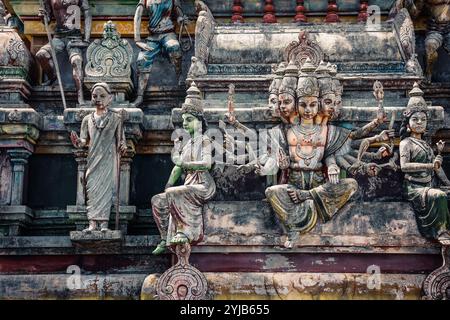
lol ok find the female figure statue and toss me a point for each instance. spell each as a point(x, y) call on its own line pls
point(420, 166)
point(103, 131)
point(178, 211)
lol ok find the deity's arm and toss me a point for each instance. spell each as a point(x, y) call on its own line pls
point(178, 10)
point(330, 160)
point(364, 131)
point(205, 163)
point(87, 20)
point(443, 177)
point(84, 132)
point(137, 21)
point(405, 158)
point(174, 176)
point(343, 163)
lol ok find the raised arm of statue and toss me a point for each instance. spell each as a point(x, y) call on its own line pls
point(406, 165)
point(178, 12)
point(174, 176)
point(87, 20)
point(137, 21)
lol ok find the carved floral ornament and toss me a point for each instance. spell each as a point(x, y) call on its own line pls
point(15, 116)
point(304, 48)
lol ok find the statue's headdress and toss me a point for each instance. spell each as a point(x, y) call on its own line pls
point(338, 88)
point(278, 78)
point(289, 82)
point(103, 85)
point(308, 84)
point(416, 102)
point(325, 79)
point(193, 103)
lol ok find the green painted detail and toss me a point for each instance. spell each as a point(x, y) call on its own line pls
point(13, 72)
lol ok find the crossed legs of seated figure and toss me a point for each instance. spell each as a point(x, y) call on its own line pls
point(298, 204)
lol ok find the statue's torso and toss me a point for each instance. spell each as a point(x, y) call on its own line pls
point(160, 12)
point(307, 146)
point(67, 14)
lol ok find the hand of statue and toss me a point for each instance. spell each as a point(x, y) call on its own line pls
point(437, 163)
point(42, 13)
point(182, 19)
point(333, 174)
point(76, 141)
point(385, 151)
point(293, 195)
point(386, 135)
point(123, 148)
point(283, 160)
point(355, 168)
point(231, 118)
point(142, 45)
point(258, 169)
point(372, 169)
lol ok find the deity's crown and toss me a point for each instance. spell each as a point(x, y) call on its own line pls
point(416, 101)
point(278, 78)
point(308, 85)
point(289, 82)
point(193, 103)
point(325, 79)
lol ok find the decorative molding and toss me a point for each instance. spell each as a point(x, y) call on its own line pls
point(182, 281)
point(437, 285)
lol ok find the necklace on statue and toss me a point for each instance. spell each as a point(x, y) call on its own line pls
point(101, 124)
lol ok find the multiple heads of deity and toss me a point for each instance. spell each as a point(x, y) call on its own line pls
point(312, 93)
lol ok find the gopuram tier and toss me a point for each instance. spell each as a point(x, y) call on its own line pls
point(189, 150)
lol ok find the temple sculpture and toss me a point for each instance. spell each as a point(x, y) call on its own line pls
point(178, 211)
point(285, 160)
point(438, 26)
point(68, 36)
point(161, 38)
point(422, 168)
point(103, 132)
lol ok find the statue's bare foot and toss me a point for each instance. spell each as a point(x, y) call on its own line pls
point(138, 101)
point(92, 227)
point(104, 227)
point(444, 236)
point(160, 248)
point(49, 82)
point(179, 238)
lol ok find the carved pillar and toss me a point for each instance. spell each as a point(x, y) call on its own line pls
point(125, 178)
point(269, 12)
point(300, 12)
point(19, 161)
point(80, 158)
point(362, 16)
point(237, 10)
point(332, 12)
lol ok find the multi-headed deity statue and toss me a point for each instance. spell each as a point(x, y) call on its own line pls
point(68, 36)
point(438, 35)
point(101, 130)
point(161, 38)
point(423, 171)
point(178, 211)
point(312, 144)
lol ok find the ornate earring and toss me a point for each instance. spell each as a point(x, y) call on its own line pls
point(408, 129)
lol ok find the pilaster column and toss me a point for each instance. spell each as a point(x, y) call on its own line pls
point(19, 161)
point(81, 159)
point(125, 178)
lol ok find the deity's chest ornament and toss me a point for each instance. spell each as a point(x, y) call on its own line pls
point(308, 137)
point(101, 122)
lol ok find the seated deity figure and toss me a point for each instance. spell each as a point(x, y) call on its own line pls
point(308, 194)
point(101, 130)
point(68, 36)
point(178, 212)
point(423, 170)
point(162, 38)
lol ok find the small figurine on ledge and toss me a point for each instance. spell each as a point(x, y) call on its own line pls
point(178, 211)
point(101, 130)
point(421, 167)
